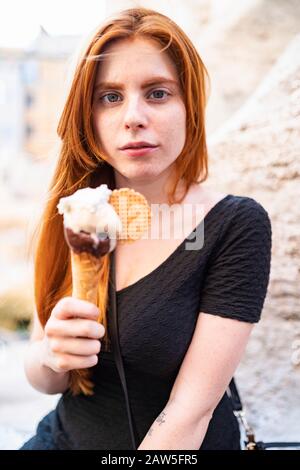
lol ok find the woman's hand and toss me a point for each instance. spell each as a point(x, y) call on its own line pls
point(72, 334)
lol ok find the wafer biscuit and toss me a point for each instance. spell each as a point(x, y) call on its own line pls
point(134, 212)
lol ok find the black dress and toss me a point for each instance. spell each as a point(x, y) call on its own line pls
point(228, 276)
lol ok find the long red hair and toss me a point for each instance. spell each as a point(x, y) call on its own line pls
point(82, 163)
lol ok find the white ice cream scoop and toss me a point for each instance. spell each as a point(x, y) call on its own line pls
point(88, 210)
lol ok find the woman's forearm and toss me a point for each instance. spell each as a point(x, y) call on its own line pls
point(173, 431)
point(41, 377)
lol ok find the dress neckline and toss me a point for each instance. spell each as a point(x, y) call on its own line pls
point(174, 253)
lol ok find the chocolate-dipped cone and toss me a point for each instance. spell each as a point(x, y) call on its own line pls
point(83, 242)
point(86, 260)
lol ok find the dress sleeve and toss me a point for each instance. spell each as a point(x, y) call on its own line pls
point(237, 276)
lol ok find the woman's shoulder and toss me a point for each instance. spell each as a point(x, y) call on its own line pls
point(232, 212)
point(248, 210)
point(245, 217)
point(228, 202)
point(240, 205)
point(237, 213)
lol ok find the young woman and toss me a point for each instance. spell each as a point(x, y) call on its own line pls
point(185, 310)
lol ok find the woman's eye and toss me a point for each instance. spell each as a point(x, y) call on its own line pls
point(109, 95)
point(159, 93)
point(110, 98)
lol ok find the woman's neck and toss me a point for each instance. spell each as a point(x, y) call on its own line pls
point(155, 191)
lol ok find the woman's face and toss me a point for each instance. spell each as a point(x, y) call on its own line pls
point(137, 98)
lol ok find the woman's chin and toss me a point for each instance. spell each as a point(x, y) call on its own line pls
point(140, 175)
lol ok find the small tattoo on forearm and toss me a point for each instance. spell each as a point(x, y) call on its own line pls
point(160, 418)
point(150, 432)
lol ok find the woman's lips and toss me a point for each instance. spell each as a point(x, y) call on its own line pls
point(139, 152)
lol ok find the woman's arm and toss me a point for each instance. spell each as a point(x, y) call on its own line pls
point(41, 377)
point(70, 340)
point(174, 429)
point(215, 351)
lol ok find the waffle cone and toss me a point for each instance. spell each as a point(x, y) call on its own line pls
point(85, 276)
point(85, 283)
point(134, 212)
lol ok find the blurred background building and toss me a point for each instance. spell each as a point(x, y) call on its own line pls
point(252, 52)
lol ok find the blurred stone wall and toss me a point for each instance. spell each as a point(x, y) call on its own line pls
point(256, 154)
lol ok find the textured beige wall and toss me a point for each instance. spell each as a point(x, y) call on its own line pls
point(257, 154)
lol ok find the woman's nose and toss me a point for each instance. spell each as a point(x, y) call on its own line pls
point(135, 114)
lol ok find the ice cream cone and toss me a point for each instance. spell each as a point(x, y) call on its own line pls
point(86, 270)
point(88, 252)
point(85, 276)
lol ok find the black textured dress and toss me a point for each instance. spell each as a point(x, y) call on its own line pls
point(157, 315)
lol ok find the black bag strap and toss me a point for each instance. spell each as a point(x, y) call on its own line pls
point(251, 443)
point(235, 396)
point(239, 412)
point(114, 333)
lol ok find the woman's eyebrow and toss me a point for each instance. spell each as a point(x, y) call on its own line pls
point(147, 83)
